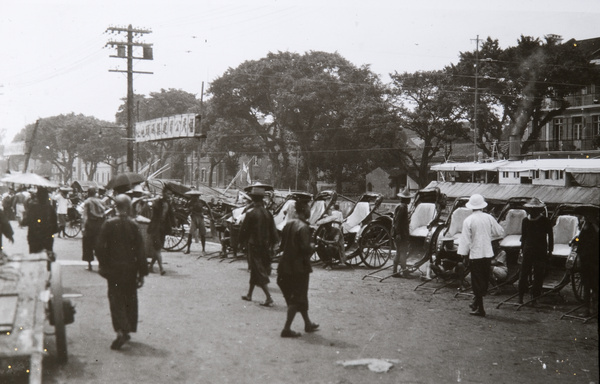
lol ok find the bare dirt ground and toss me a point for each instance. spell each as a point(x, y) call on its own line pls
point(194, 328)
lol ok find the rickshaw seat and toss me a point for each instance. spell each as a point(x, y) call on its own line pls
point(360, 212)
point(512, 225)
point(285, 214)
point(423, 214)
point(456, 223)
point(316, 211)
point(564, 230)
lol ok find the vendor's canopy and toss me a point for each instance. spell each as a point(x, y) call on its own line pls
point(568, 165)
point(469, 166)
point(29, 179)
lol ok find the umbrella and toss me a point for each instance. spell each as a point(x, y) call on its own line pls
point(29, 179)
point(125, 181)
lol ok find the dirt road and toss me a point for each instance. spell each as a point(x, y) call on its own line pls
point(194, 328)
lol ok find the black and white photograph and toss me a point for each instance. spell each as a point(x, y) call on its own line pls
point(279, 191)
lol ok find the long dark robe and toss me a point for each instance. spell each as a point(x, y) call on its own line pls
point(121, 257)
point(42, 222)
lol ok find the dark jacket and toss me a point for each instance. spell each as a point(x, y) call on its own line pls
point(537, 236)
point(400, 221)
point(258, 228)
point(120, 250)
point(297, 248)
point(42, 222)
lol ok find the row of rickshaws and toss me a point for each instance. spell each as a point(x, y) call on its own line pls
point(434, 227)
point(435, 231)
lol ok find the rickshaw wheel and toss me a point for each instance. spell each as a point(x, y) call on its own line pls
point(375, 245)
point(72, 228)
point(176, 240)
point(57, 314)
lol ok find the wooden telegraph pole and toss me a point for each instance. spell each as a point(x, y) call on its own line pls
point(125, 51)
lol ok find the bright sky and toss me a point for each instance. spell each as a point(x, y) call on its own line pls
point(53, 58)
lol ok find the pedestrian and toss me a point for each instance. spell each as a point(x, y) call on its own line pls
point(161, 225)
point(7, 204)
point(40, 218)
point(331, 245)
point(400, 224)
point(62, 208)
point(587, 250)
point(259, 234)
point(92, 220)
point(537, 243)
point(478, 231)
point(197, 226)
point(6, 230)
point(294, 269)
point(123, 264)
point(20, 203)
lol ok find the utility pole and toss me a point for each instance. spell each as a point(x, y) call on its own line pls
point(125, 51)
point(476, 99)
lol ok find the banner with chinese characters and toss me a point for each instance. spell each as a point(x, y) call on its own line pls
point(166, 128)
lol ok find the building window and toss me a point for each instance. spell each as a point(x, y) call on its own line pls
point(561, 175)
point(577, 128)
point(596, 125)
point(537, 173)
point(547, 175)
point(505, 175)
point(558, 129)
point(516, 175)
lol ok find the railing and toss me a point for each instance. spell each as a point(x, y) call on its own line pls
point(566, 145)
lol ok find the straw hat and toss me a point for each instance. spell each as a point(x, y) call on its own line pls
point(476, 202)
point(405, 194)
point(534, 203)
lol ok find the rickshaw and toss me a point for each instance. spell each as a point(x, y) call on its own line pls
point(354, 223)
point(565, 226)
point(423, 216)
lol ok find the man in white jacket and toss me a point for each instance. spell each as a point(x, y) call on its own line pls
point(479, 229)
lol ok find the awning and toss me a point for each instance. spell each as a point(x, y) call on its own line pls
point(469, 166)
point(502, 192)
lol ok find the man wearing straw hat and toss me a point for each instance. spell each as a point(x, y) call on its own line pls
point(477, 233)
point(259, 233)
point(197, 219)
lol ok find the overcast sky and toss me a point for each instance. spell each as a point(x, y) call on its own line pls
point(53, 58)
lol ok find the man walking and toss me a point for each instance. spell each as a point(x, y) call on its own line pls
point(259, 233)
point(123, 264)
point(92, 219)
point(479, 229)
point(294, 269)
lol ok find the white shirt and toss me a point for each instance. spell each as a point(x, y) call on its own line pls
point(479, 229)
point(62, 204)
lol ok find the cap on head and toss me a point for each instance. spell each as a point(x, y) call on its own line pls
point(123, 202)
point(476, 202)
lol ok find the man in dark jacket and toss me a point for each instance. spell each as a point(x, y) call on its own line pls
point(259, 233)
point(93, 217)
point(401, 234)
point(294, 269)
point(41, 219)
point(123, 264)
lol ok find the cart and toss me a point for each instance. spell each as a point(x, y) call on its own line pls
point(30, 293)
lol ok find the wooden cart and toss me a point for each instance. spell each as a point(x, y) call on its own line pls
point(31, 293)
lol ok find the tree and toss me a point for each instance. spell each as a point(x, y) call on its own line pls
point(314, 106)
point(518, 82)
point(429, 108)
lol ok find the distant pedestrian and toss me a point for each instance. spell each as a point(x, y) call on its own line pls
point(20, 203)
point(62, 209)
point(6, 230)
point(537, 243)
point(123, 264)
point(259, 234)
point(401, 234)
point(294, 269)
point(40, 218)
point(8, 203)
point(92, 220)
point(478, 231)
point(197, 227)
point(161, 225)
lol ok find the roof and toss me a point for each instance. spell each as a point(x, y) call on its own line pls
point(502, 192)
point(568, 165)
point(471, 166)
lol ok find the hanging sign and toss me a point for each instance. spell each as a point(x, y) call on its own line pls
point(166, 128)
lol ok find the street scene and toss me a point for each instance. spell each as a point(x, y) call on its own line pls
point(195, 328)
point(269, 191)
